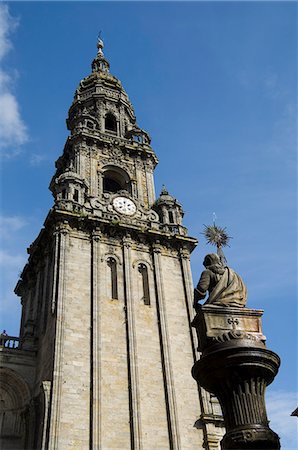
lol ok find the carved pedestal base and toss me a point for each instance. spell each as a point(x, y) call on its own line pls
point(236, 367)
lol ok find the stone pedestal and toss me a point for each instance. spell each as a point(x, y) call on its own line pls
point(236, 367)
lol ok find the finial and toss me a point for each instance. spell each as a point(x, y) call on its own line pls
point(100, 44)
point(164, 190)
point(100, 63)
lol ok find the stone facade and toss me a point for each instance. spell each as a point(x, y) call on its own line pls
point(106, 346)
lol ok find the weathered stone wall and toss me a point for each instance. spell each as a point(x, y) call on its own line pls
point(187, 407)
point(152, 406)
point(71, 385)
point(124, 366)
point(113, 430)
point(119, 369)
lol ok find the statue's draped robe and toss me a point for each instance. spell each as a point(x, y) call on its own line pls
point(225, 287)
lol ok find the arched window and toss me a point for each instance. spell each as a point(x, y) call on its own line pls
point(115, 179)
point(14, 410)
point(114, 285)
point(145, 282)
point(111, 123)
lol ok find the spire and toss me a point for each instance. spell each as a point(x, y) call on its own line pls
point(100, 63)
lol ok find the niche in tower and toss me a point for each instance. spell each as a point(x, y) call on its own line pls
point(114, 283)
point(145, 282)
point(116, 179)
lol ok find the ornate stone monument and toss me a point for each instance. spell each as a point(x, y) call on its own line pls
point(235, 364)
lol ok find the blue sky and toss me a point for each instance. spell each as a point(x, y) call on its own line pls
point(215, 86)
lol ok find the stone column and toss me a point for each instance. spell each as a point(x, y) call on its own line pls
point(46, 388)
point(186, 272)
point(44, 299)
point(95, 412)
point(236, 367)
point(61, 238)
point(166, 355)
point(36, 299)
point(28, 332)
point(135, 414)
point(139, 166)
point(80, 160)
point(93, 174)
point(150, 183)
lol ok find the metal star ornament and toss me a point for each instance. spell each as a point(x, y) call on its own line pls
point(218, 236)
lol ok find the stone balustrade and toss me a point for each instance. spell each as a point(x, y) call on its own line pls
point(11, 342)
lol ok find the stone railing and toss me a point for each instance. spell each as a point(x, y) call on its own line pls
point(174, 229)
point(10, 342)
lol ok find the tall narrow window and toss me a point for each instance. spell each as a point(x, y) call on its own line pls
point(111, 123)
point(114, 288)
point(76, 195)
point(145, 281)
point(171, 217)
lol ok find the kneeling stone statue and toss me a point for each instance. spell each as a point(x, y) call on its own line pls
point(225, 287)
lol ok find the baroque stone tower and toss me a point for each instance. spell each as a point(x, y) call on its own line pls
point(106, 347)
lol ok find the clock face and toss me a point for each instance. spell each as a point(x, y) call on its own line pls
point(124, 205)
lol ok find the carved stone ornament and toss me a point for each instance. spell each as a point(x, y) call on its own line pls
point(221, 324)
point(103, 207)
point(150, 165)
point(236, 334)
point(139, 164)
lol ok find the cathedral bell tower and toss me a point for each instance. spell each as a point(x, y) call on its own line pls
point(107, 293)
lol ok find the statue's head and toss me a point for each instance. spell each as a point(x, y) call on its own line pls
point(211, 259)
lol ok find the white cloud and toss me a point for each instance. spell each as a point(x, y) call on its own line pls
point(7, 25)
point(280, 405)
point(36, 159)
point(4, 80)
point(12, 129)
point(10, 224)
point(9, 260)
point(13, 132)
